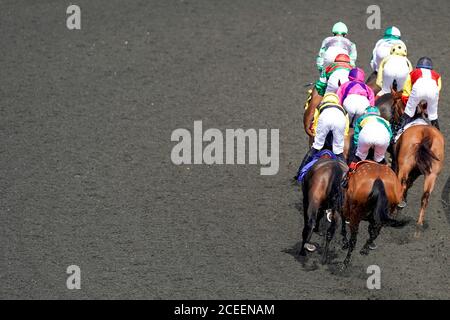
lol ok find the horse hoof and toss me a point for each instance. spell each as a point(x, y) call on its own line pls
point(343, 267)
point(419, 231)
point(344, 245)
point(329, 215)
point(402, 204)
point(310, 247)
point(364, 251)
point(373, 246)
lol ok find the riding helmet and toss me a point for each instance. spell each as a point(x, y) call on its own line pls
point(339, 28)
point(330, 97)
point(356, 74)
point(342, 57)
point(373, 110)
point(425, 63)
point(392, 33)
point(399, 49)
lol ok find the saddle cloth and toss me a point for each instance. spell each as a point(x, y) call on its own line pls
point(416, 122)
point(317, 156)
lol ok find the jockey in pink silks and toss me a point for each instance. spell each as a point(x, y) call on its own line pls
point(355, 96)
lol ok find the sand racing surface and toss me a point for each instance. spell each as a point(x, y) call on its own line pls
point(86, 118)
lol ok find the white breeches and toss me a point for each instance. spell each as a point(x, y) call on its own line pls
point(331, 119)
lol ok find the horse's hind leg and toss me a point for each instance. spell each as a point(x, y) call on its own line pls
point(309, 223)
point(351, 244)
point(403, 176)
point(343, 225)
point(317, 224)
point(374, 231)
point(427, 189)
point(330, 233)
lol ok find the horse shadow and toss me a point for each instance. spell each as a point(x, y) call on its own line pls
point(445, 199)
point(312, 260)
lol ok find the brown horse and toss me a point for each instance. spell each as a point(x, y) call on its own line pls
point(391, 106)
point(372, 82)
point(419, 151)
point(373, 194)
point(322, 190)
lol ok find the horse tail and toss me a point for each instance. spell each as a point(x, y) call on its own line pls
point(336, 190)
point(425, 156)
point(379, 201)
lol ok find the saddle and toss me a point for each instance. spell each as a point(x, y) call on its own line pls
point(323, 154)
point(415, 122)
point(353, 167)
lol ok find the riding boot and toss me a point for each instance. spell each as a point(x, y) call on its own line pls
point(354, 160)
point(435, 123)
point(340, 157)
point(404, 120)
point(308, 157)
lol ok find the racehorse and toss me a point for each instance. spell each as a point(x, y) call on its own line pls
point(322, 190)
point(372, 82)
point(373, 194)
point(391, 106)
point(419, 151)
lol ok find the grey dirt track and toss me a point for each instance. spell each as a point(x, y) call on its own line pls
point(86, 175)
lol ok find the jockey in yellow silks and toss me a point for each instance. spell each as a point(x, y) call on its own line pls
point(329, 116)
point(395, 67)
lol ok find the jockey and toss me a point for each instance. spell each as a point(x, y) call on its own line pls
point(332, 46)
point(392, 36)
point(422, 84)
point(334, 75)
point(395, 66)
point(371, 130)
point(355, 95)
point(330, 117)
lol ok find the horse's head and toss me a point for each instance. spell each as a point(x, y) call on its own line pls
point(398, 106)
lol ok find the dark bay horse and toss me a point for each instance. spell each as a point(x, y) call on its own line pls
point(420, 151)
point(372, 82)
point(322, 190)
point(372, 195)
point(391, 106)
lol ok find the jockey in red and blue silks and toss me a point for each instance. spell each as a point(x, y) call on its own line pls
point(355, 95)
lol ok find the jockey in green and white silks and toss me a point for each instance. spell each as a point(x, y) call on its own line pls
point(392, 36)
point(372, 131)
point(337, 44)
point(334, 75)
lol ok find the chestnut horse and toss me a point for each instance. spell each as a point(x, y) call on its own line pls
point(419, 151)
point(322, 190)
point(373, 194)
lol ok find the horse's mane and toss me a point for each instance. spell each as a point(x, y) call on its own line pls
point(384, 103)
point(383, 99)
